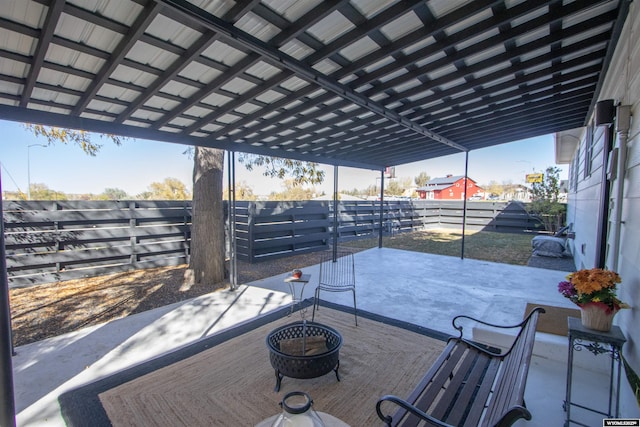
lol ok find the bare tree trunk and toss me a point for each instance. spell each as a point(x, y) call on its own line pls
point(207, 223)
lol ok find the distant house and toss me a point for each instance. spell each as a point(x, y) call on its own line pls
point(518, 192)
point(563, 190)
point(341, 196)
point(450, 188)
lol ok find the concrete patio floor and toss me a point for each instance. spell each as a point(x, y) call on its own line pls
point(427, 290)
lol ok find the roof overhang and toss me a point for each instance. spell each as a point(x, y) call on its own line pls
point(367, 83)
point(566, 144)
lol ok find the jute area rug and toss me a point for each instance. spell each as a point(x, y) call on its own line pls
point(227, 379)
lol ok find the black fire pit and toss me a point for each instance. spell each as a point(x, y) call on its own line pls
point(311, 350)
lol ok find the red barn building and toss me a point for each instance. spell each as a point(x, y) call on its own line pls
point(450, 188)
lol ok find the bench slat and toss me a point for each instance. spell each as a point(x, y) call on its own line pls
point(459, 380)
point(461, 387)
point(449, 355)
point(480, 394)
point(485, 390)
point(432, 382)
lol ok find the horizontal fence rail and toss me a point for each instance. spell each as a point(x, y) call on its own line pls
point(54, 241)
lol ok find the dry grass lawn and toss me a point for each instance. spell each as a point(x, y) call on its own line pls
point(507, 248)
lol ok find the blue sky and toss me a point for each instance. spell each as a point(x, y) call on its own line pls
point(137, 163)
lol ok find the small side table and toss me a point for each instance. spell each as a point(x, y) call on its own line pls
point(299, 282)
point(597, 343)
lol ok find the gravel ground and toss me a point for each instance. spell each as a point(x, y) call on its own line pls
point(48, 310)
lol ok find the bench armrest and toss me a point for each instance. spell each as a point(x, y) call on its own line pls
point(409, 407)
point(518, 325)
point(535, 312)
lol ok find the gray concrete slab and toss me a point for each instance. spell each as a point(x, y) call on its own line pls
point(428, 290)
point(424, 289)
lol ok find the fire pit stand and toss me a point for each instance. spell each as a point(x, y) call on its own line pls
point(306, 362)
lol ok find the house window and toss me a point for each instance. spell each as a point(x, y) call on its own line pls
point(588, 152)
point(573, 175)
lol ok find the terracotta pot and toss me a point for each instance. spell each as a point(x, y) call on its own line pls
point(597, 316)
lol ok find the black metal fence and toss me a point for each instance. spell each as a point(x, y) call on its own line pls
point(52, 241)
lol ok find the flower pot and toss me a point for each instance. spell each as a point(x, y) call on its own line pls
point(597, 316)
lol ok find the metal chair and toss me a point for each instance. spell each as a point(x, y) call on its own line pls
point(336, 276)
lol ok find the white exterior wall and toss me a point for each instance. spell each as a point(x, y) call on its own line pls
point(621, 84)
point(584, 202)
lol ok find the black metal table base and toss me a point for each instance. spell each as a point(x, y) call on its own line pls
point(597, 343)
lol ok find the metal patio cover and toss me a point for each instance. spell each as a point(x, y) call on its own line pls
point(366, 83)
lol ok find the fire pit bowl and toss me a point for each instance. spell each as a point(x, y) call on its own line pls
point(313, 360)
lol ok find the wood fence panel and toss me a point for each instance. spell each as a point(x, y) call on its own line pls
point(52, 241)
point(279, 229)
point(49, 241)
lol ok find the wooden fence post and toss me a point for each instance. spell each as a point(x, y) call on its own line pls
point(186, 218)
point(251, 214)
point(59, 243)
point(133, 259)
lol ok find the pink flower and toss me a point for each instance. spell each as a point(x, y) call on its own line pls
point(567, 289)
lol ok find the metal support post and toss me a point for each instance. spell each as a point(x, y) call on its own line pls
point(233, 265)
point(335, 213)
point(464, 203)
point(381, 208)
point(7, 401)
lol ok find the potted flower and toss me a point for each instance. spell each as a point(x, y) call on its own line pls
point(594, 291)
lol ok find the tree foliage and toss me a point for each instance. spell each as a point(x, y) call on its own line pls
point(397, 187)
point(42, 192)
point(293, 191)
point(243, 192)
point(355, 192)
point(422, 179)
point(276, 167)
point(113, 194)
point(372, 190)
point(549, 188)
point(169, 189)
point(545, 199)
point(81, 138)
point(494, 188)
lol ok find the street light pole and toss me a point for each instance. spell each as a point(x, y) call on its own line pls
point(29, 167)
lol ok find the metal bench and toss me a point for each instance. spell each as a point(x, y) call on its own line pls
point(469, 384)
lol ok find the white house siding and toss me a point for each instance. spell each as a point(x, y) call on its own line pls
point(584, 201)
point(622, 84)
